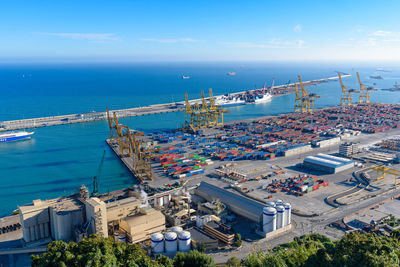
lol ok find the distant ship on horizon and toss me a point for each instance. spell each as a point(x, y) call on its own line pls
point(185, 77)
point(378, 77)
point(231, 73)
point(382, 69)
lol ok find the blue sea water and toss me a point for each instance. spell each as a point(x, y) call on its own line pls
point(59, 159)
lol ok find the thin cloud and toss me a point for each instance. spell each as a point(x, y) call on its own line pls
point(297, 28)
point(92, 37)
point(383, 34)
point(171, 41)
point(273, 43)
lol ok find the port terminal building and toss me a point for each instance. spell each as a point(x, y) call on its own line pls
point(327, 163)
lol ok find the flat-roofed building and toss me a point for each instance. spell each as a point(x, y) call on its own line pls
point(141, 226)
point(199, 236)
point(219, 231)
point(327, 163)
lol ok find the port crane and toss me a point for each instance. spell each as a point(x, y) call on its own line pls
point(130, 145)
point(305, 101)
point(95, 191)
point(204, 114)
point(347, 94)
point(381, 172)
point(365, 92)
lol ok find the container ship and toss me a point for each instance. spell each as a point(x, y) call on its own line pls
point(229, 101)
point(15, 136)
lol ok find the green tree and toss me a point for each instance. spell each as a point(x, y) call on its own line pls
point(193, 259)
point(164, 261)
point(200, 246)
point(93, 251)
point(234, 262)
point(238, 239)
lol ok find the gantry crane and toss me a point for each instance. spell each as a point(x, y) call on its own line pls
point(306, 102)
point(203, 115)
point(381, 172)
point(347, 94)
point(365, 92)
point(130, 145)
point(298, 104)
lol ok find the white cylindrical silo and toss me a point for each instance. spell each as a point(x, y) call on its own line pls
point(184, 241)
point(278, 202)
point(280, 218)
point(270, 204)
point(176, 229)
point(157, 243)
point(269, 219)
point(288, 213)
point(171, 242)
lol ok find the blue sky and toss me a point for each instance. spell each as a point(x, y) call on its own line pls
point(215, 30)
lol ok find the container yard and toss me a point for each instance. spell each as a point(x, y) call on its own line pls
point(180, 155)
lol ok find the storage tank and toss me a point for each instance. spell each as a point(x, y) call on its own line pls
point(171, 242)
point(278, 202)
point(269, 219)
point(184, 241)
point(270, 204)
point(280, 218)
point(176, 229)
point(157, 243)
point(288, 213)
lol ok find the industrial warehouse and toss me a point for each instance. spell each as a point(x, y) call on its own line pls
point(327, 163)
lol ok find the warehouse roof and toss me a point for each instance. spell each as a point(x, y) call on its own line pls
point(328, 160)
point(231, 199)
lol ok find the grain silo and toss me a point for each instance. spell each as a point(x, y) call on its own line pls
point(280, 218)
point(184, 241)
point(288, 213)
point(269, 219)
point(171, 242)
point(157, 243)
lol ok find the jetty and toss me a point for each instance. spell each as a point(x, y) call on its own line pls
point(130, 112)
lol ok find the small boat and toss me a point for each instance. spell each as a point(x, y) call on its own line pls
point(15, 136)
point(185, 77)
point(378, 77)
point(231, 73)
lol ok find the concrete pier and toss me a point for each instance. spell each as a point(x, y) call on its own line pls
point(130, 112)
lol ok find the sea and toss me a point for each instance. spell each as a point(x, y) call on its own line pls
point(59, 159)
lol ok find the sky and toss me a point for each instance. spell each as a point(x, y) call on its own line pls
point(217, 30)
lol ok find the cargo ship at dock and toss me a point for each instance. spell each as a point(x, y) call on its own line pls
point(15, 136)
point(228, 100)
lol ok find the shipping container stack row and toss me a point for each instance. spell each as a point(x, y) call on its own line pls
point(297, 185)
point(226, 151)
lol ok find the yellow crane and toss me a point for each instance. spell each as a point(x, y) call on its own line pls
point(307, 100)
point(130, 146)
point(365, 92)
point(381, 172)
point(202, 115)
point(347, 94)
point(298, 103)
